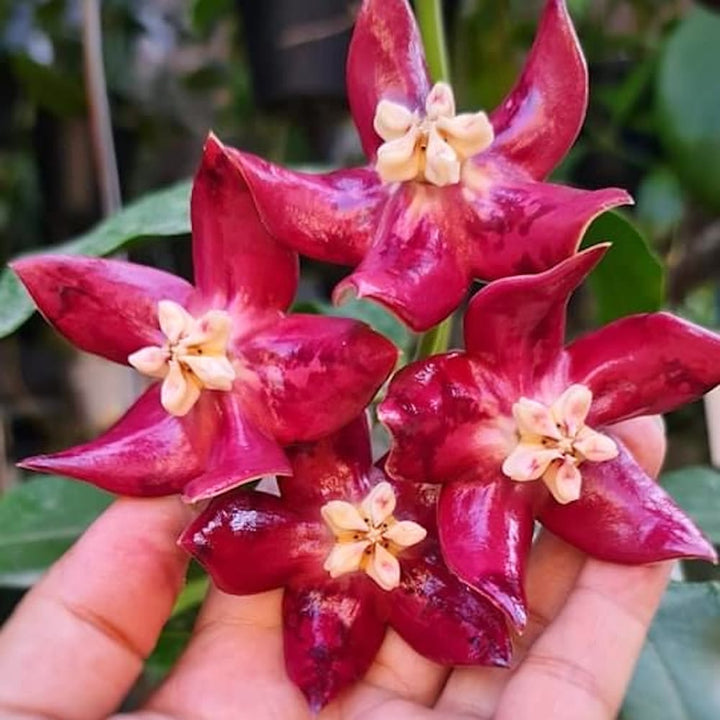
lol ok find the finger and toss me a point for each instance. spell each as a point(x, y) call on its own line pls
point(581, 665)
point(234, 660)
point(85, 629)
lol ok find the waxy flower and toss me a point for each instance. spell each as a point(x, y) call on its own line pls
point(519, 427)
point(446, 197)
point(238, 379)
point(355, 552)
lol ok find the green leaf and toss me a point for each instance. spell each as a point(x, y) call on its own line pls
point(39, 520)
point(160, 214)
point(677, 675)
point(688, 106)
point(697, 491)
point(660, 203)
point(630, 278)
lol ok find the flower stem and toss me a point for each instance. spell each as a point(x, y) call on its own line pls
point(432, 29)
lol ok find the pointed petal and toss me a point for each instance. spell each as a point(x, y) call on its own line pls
point(534, 418)
point(146, 453)
point(539, 120)
point(623, 516)
point(251, 542)
point(380, 503)
point(468, 133)
point(564, 482)
point(306, 375)
point(329, 217)
point(332, 632)
point(240, 453)
point(595, 446)
point(215, 373)
point(342, 517)
point(522, 227)
point(345, 557)
point(400, 160)
point(572, 407)
point(151, 361)
point(334, 468)
point(384, 568)
point(515, 319)
point(415, 254)
point(528, 462)
point(486, 528)
point(386, 61)
point(443, 619)
point(392, 120)
point(442, 414)
point(105, 307)
point(405, 533)
point(233, 253)
point(643, 365)
point(174, 320)
point(179, 390)
point(442, 163)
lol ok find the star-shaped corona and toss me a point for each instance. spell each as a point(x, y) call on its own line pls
point(193, 358)
point(555, 441)
point(368, 537)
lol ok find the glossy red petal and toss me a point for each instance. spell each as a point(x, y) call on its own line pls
point(417, 267)
point(241, 453)
point(308, 375)
point(251, 542)
point(234, 256)
point(623, 516)
point(540, 119)
point(329, 217)
point(336, 467)
point(522, 227)
point(146, 453)
point(386, 60)
point(486, 527)
point(443, 619)
point(332, 632)
point(643, 365)
point(516, 326)
point(106, 307)
point(442, 414)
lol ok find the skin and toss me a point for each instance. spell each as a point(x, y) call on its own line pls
point(86, 627)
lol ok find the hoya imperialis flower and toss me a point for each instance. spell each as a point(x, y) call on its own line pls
point(238, 378)
point(355, 552)
point(519, 427)
point(445, 198)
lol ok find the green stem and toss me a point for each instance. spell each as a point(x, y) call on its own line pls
point(432, 29)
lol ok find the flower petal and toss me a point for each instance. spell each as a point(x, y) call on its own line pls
point(306, 375)
point(486, 528)
point(386, 61)
point(467, 133)
point(379, 505)
point(392, 120)
point(643, 365)
point(151, 361)
point(534, 418)
point(174, 320)
point(334, 468)
point(564, 481)
point(240, 453)
point(414, 268)
point(595, 446)
point(528, 462)
point(329, 217)
point(400, 160)
point(332, 632)
point(443, 619)
point(342, 517)
point(572, 408)
point(405, 533)
point(233, 253)
point(180, 391)
point(623, 516)
point(215, 373)
point(251, 542)
point(146, 453)
point(384, 568)
point(538, 122)
point(442, 163)
point(442, 414)
point(516, 326)
point(106, 307)
point(519, 227)
point(345, 557)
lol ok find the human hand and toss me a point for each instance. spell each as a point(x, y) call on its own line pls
point(76, 643)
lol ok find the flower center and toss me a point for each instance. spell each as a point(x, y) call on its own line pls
point(554, 441)
point(433, 148)
point(193, 358)
point(368, 537)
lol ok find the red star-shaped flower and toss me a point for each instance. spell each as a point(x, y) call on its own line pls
point(519, 427)
point(238, 378)
point(446, 198)
point(355, 552)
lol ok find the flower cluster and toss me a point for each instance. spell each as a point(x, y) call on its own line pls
point(433, 539)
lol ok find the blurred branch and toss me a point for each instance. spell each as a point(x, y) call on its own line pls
point(699, 263)
point(100, 121)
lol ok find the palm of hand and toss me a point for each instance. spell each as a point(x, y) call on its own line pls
point(85, 629)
